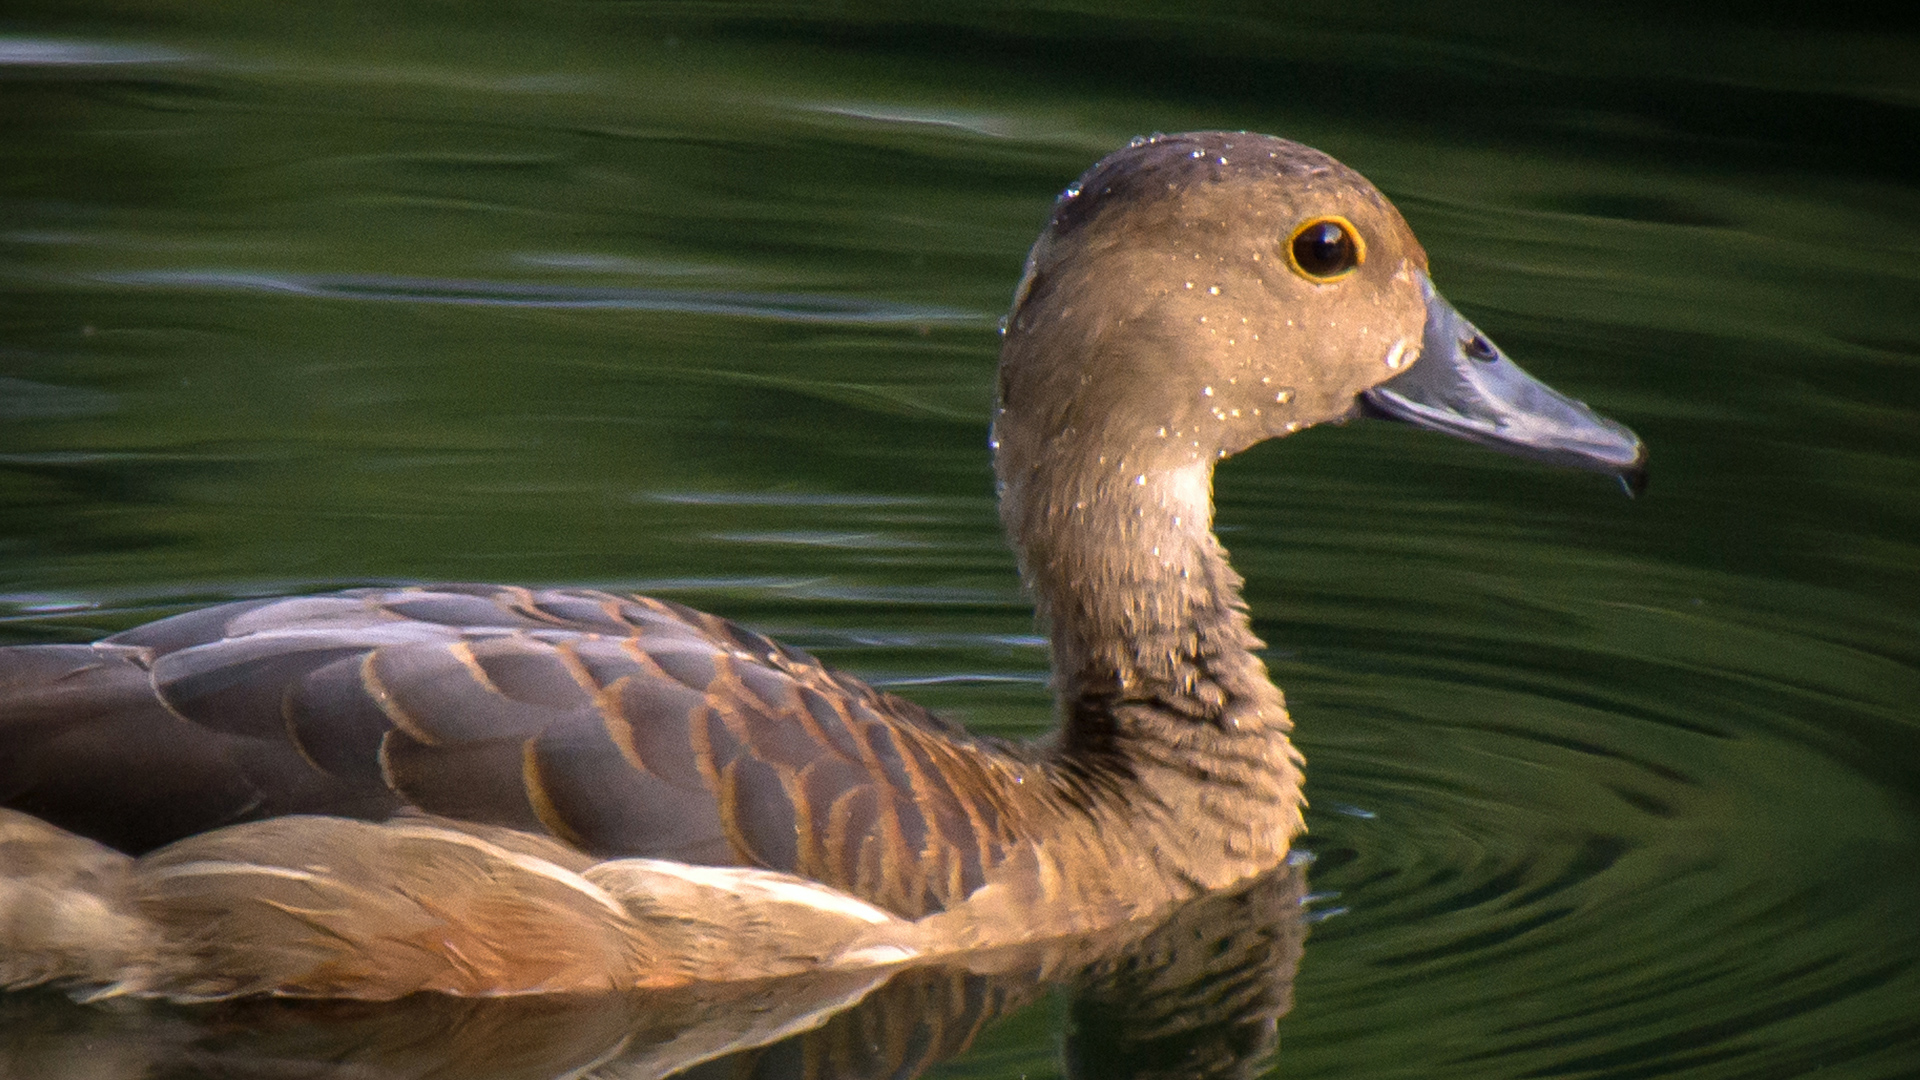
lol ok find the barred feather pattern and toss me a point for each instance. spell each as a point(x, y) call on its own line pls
point(617, 725)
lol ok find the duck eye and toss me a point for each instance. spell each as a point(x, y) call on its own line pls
point(1326, 248)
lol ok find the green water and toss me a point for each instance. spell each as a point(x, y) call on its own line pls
point(699, 300)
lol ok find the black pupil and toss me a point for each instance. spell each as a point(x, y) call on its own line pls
point(1323, 249)
point(1480, 348)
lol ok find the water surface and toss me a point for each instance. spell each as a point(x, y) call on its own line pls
point(699, 300)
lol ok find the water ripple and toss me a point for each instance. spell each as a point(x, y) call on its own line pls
point(781, 307)
point(42, 53)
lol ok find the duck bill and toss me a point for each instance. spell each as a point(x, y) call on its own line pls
point(1462, 384)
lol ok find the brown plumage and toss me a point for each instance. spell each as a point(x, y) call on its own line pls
point(1166, 320)
point(334, 907)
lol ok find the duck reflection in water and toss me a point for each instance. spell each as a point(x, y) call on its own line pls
point(1196, 995)
point(483, 790)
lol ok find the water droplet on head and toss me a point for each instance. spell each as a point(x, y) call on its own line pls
point(1214, 290)
point(1283, 396)
point(1072, 192)
point(1138, 140)
point(1207, 390)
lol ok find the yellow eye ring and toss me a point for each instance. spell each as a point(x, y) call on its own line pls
point(1325, 249)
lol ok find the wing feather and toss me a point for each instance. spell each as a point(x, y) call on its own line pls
point(626, 726)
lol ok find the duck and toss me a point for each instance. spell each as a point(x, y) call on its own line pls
point(494, 790)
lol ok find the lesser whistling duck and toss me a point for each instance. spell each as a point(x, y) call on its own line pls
point(484, 789)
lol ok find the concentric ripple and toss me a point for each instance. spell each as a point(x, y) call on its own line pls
point(1649, 868)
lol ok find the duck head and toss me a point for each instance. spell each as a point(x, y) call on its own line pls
point(1195, 294)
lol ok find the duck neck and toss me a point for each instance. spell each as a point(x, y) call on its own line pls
point(1163, 701)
